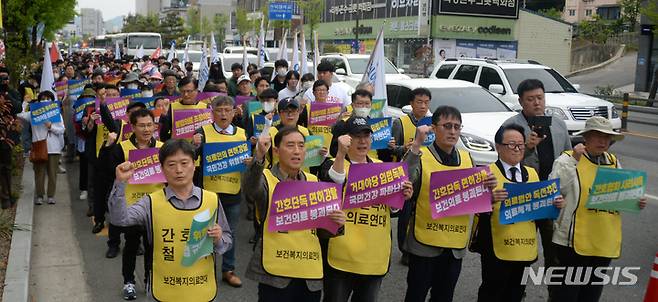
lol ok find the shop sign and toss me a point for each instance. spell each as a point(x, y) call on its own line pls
point(493, 30)
point(484, 8)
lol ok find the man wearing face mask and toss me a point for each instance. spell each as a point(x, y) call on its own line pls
point(147, 90)
point(268, 98)
point(281, 69)
point(361, 104)
point(188, 69)
point(131, 81)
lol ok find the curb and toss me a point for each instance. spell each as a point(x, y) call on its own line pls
point(18, 267)
point(619, 54)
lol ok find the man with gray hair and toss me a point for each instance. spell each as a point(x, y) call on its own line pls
point(226, 186)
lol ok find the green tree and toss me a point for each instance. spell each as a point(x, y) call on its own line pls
point(242, 23)
point(193, 21)
point(21, 19)
point(630, 11)
point(312, 10)
point(651, 10)
point(219, 28)
point(552, 13)
point(137, 23)
point(596, 30)
point(206, 27)
point(172, 28)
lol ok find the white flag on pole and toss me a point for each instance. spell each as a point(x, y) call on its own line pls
point(214, 56)
point(376, 76)
point(283, 49)
point(295, 53)
point(47, 77)
point(204, 70)
point(140, 52)
point(186, 55)
point(304, 62)
point(316, 54)
point(245, 61)
point(117, 51)
point(261, 46)
point(172, 52)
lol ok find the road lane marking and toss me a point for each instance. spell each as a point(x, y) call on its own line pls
point(641, 135)
point(653, 198)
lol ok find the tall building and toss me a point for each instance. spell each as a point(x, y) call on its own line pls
point(91, 22)
point(579, 10)
point(145, 7)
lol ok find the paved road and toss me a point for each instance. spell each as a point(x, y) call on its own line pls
point(100, 278)
point(618, 74)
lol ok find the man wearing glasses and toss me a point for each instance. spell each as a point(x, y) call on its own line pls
point(545, 142)
point(188, 87)
point(435, 250)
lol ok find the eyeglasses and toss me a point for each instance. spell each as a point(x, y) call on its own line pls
point(187, 91)
point(513, 146)
point(144, 126)
point(450, 126)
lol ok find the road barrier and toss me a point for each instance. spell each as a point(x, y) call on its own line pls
point(623, 103)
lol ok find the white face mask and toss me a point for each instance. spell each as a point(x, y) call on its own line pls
point(132, 86)
point(268, 106)
point(147, 93)
point(361, 112)
point(307, 85)
point(281, 71)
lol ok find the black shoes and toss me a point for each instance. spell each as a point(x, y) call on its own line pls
point(98, 227)
point(112, 252)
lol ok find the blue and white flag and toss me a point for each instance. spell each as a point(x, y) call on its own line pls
point(375, 74)
point(295, 53)
point(117, 51)
point(172, 52)
point(304, 62)
point(47, 77)
point(186, 55)
point(204, 70)
point(261, 46)
point(140, 52)
point(214, 56)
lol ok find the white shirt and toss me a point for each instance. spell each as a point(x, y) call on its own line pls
point(508, 172)
point(228, 129)
point(287, 93)
point(337, 94)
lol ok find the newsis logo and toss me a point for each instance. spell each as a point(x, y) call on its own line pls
point(559, 275)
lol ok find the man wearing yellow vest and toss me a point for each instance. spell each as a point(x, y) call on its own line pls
point(357, 261)
point(227, 186)
point(502, 264)
point(279, 279)
point(167, 215)
point(435, 247)
point(586, 237)
point(143, 125)
point(188, 87)
point(403, 132)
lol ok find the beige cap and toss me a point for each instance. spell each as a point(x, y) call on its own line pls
point(600, 124)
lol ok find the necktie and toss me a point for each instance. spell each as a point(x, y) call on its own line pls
point(223, 132)
point(512, 171)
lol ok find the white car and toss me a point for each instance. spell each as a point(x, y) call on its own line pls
point(503, 77)
point(482, 113)
point(351, 67)
point(195, 58)
point(228, 59)
point(250, 50)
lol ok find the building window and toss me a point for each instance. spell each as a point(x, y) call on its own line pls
point(588, 12)
point(572, 12)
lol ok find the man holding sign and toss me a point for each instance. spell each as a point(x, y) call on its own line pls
point(281, 277)
point(188, 87)
point(167, 215)
point(143, 125)
point(506, 249)
point(226, 185)
point(586, 237)
point(436, 247)
point(359, 260)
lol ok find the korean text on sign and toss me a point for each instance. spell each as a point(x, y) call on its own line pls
point(222, 158)
point(530, 201)
point(301, 205)
point(186, 121)
point(117, 107)
point(147, 166)
point(324, 114)
point(375, 183)
point(459, 192)
point(617, 190)
point(381, 132)
point(42, 112)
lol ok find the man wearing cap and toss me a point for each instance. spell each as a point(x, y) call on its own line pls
point(226, 186)
point(337, 93)
point(131, 84)
point(357, 262)
point(582, 236)
point(245, 87)
point(236, 69)
point(169, 88)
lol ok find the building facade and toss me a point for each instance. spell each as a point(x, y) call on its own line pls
point(91, 22)
point(146, 7)
point(576, 11)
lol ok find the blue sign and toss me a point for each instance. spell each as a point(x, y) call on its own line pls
point(80, 105)
point(222, 158)
point(281, 10)
point(130, 92)
point(529, 201)
point(381, 132)
point(42, 112)
point(259, 123)
point(427, 121)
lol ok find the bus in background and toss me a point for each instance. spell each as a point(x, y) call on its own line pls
point(129, 42)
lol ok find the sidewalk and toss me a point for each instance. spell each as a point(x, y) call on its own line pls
point(57, 267)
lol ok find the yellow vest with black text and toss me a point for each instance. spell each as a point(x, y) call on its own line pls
point(525, 230)
point(228, 183)
point(324, 131)
point(365, 248)
point(170, 280)
point(445, 232)
point(408, 130)
point(272, 159)
point(101, 136)
point(595, 232)
point(135, 192)
point(278, 245)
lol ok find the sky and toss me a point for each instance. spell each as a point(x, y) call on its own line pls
point(110, 8)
